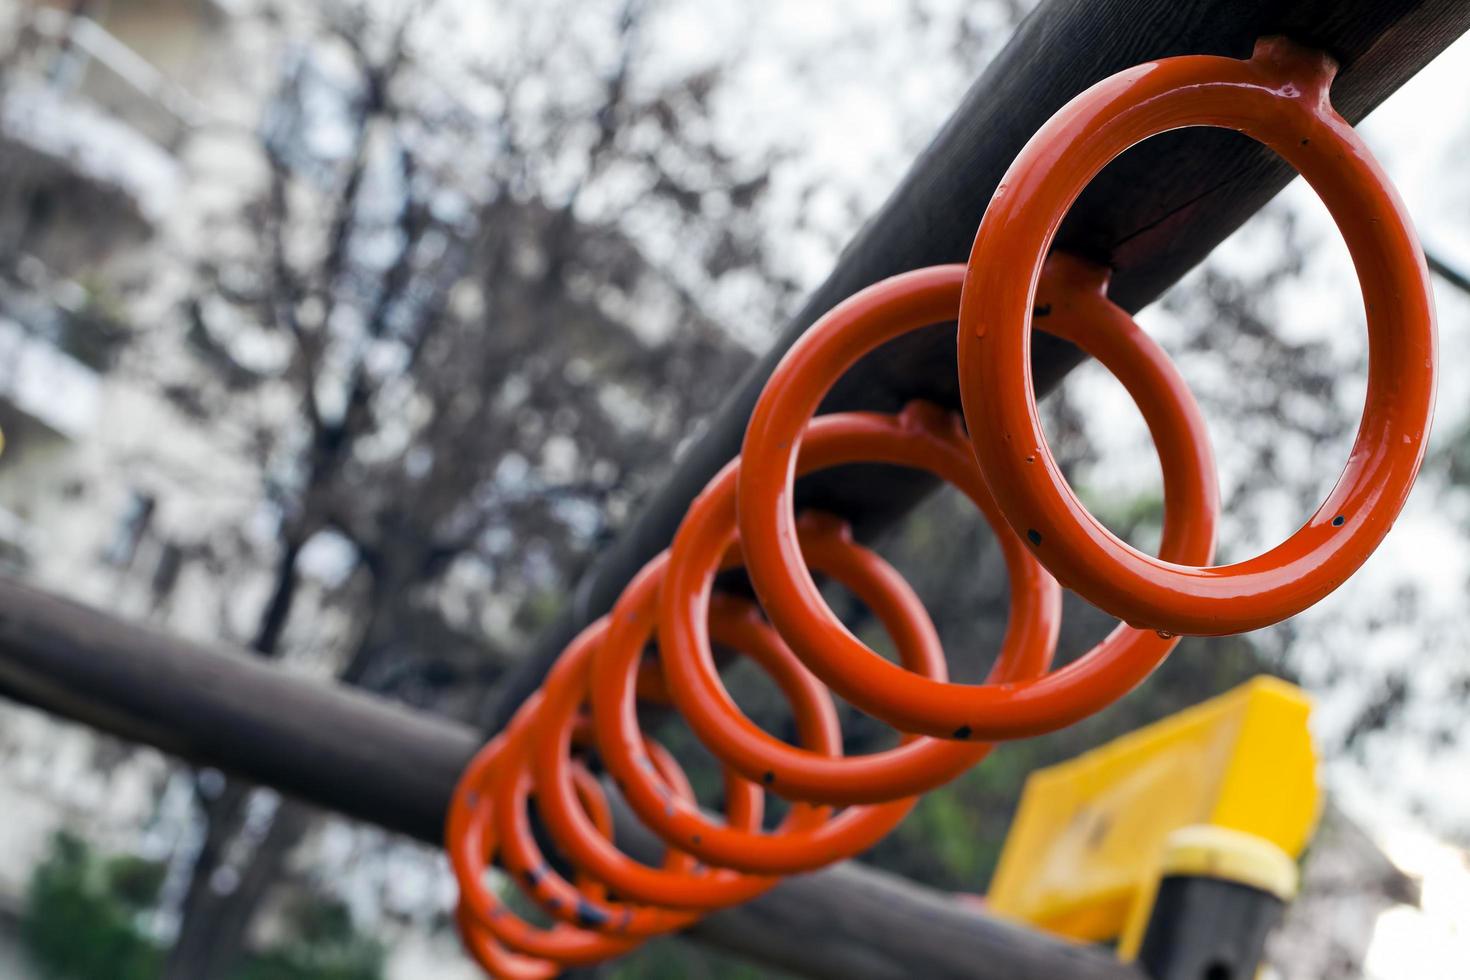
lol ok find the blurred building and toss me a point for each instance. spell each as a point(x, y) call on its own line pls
point(93, 108)
point(96, 107)
point(104, 137)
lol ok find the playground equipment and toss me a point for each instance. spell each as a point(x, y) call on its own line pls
point(1148, 217)
point(746, 517)
point(1092, 836)
point(1281, 98)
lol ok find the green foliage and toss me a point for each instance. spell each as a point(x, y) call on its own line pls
point(327, 947)
point(81, 914)
point(956, 831)
point(539, 611)
point(1128, 516)
point(671, 959)
point(134, 881)
point(82, 922)
point(358, 960)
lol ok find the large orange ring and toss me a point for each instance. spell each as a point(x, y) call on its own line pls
point(1279, 97)
point(810, 838)
point(920, 763)
point(775, 452)
point(676, 885)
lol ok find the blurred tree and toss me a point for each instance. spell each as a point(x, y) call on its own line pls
point(85, 914)
point(468, 334)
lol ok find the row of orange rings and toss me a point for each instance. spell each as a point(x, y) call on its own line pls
point(843, 805)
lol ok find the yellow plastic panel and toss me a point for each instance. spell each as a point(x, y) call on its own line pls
point(1089, 832)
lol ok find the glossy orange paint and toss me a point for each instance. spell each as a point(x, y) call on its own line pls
point(825, 545)
point(679, 884)
point(811, 836)
point(494, 958)
point(471, 839)
point(521, 855)
point(1280, 97)
point(773, 456)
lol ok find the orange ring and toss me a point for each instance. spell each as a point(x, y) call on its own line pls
point(470, 836)
point(920, 763)
point(810, 837)
point(775, 453)
point(1279, 97)
point(652, 688)
point(521, 855)
point(678, 885)
point(594, 802)
point(494, 958)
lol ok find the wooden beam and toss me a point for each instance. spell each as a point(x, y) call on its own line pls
point(364, 757)
point(881, 927)
point(321, 742)
point(1449, 273)
point(1153, 215)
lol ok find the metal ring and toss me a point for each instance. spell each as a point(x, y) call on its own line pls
point(494, 958)
point(809, 838)
point(826, 545)
point(1280, 97)
point(470, 836)
point(774, 455)
point(522, 858)
point(679, 885)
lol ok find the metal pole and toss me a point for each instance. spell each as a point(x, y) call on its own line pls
point(1448, 272)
